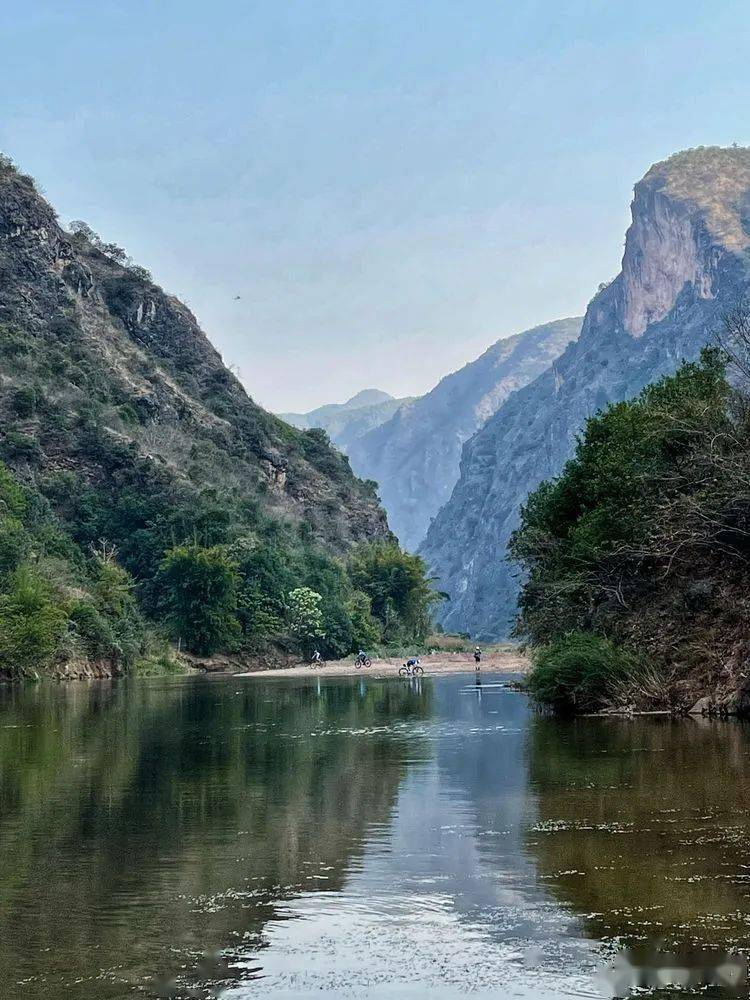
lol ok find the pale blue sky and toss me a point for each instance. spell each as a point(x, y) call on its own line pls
point(389, 186)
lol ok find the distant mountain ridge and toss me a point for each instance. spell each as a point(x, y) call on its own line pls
point(414, 456)
point(345, 422)
point(685, 265)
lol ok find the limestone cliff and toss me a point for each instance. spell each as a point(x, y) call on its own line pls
point(684, 266)
point(414, 456)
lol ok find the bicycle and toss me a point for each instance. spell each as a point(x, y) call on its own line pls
point(362, 661)
point(411, 670)
point(320, 662)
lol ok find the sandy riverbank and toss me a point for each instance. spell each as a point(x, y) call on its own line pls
point(504, 661)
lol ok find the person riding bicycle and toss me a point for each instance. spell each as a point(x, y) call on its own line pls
point(477, 654)
point(361, 656)
point(316, 657)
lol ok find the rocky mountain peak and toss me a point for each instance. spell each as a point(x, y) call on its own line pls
point(367, 397)
point(684, 267)
point(688, 211)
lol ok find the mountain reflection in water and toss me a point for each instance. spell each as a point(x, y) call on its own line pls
point(356, 838)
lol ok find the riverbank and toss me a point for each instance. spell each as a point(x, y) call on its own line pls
point(501, 661)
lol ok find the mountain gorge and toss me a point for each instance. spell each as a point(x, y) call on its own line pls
point(346, 422)
point(414, 457)
point(684, 267)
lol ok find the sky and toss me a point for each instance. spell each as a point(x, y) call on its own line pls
point(389, 186)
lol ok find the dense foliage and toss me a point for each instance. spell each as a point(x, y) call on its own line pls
point(215, 573)
point(639, 538)
point(59, 602)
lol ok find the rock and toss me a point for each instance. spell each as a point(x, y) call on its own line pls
point(683, 269)
point(701, 707)
point(415, 456)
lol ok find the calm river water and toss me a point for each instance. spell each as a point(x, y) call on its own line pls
point(354, 838)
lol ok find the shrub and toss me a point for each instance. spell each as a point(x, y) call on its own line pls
point(23, 402)
point(14, 544)
point(92, 631)
point(366, 630)
point(578, 672)
point(16, 445)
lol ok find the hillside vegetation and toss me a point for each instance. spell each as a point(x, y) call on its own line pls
point(638, 555)
point(129, 449)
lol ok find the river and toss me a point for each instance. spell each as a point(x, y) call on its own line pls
point(354, 838)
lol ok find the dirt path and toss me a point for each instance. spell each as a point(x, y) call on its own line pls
point(434, 663)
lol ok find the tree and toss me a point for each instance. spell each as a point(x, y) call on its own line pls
point(398, 587)
point(366, 630)
point(200, 589)
point(33, 623)
point(305, 617)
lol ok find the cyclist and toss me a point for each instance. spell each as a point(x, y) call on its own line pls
point(361, 656)
point(316, 658)
point(477, 656)
point(413, 661)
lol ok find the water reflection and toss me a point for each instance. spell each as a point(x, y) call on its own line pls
point(643, 827)
point(143, 826)
point(353, 838)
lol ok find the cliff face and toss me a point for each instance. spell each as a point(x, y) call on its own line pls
point(96, 346)
point(346, 422)
point(414, 456)
point(684, 267)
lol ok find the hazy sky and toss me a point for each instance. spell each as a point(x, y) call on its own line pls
point(389, 186)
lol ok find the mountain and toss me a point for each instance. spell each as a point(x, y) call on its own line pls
point(345, 422)
point(414, 457)
point(684, 267)
point(122, 433)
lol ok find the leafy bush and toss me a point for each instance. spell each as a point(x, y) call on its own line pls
point(14, 544)
point(23, 402)
point(624, 503)
point(93, 632)
point(366, 630)
point(16, 445)
point(579, 672)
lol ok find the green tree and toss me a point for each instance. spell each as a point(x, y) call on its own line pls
point(305, 618)
point(615, 505)
point(33, 624)
point(200, 588)
point(399, 590)
point(366, 630)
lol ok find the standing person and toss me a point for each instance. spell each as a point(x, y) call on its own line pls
point(477, 658)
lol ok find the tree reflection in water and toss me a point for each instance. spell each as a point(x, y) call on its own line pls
point(144, 826)
point(644, 826)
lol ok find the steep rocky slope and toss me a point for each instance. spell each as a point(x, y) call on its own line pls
point(106, 349)
point(684, 266)
point(144, 497)
point(346, 422)
point(414, 456)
